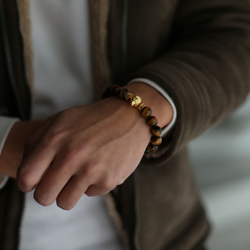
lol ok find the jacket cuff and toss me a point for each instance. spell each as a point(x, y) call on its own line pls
point(167, 129)
point(6, 124)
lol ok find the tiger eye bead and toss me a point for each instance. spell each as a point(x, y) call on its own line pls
point(115, 89)
point(152, 148)
point(123, 93)
point(146, 112)
point(152, 121)
point(155, 140)
point(156, 131)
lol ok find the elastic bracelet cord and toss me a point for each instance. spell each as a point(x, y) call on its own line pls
point(146, 112)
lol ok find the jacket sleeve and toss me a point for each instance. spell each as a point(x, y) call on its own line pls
point(206, 69)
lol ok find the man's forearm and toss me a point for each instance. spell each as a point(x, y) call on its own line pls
point(12, 152)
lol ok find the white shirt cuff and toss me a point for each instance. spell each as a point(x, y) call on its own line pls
point(6, 124)
point(154, 85)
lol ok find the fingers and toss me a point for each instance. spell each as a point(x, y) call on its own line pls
point(102, 186)
point(90, 180)
point(54, 180)
point(57, 184)
point(33, 168)
point(64, 183)
point(77, 186)
point(94, 190)
point(40, 152)
point(72, 192)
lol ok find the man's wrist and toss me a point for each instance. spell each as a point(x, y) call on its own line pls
point(152, 98)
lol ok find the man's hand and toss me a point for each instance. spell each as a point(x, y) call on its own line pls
point(86, 149)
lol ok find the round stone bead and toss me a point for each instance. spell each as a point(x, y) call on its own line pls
point(156, 131)
point(155, 140)
point(123, 93)
point(146, 112)
point(147, 152)
point(106, 93)
point(152, 121)
point(115, 89)
point(152, 148)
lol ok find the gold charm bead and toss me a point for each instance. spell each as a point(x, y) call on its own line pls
point(142, 106)
point(136, 101)
point(129, 97)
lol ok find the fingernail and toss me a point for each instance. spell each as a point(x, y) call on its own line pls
point(64, 206)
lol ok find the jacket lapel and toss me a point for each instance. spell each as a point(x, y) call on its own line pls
point(100, 68)
point(25, 27)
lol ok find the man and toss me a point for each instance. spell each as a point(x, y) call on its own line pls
point(197, 52)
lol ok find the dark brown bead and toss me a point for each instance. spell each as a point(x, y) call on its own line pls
point(146, 112)
point(155, 140)
point(152, 121)
point(152, 148)
point(156, 131)
point(147, 152)
point(115, 89)
point(106, 93)
point(123, 93)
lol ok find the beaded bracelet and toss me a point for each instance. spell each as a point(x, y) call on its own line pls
point(135, 101)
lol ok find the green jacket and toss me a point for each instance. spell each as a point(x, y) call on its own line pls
point(198, 51)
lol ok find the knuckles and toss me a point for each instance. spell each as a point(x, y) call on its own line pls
point(54, 137)
point(107, 185)
point(25, 181)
